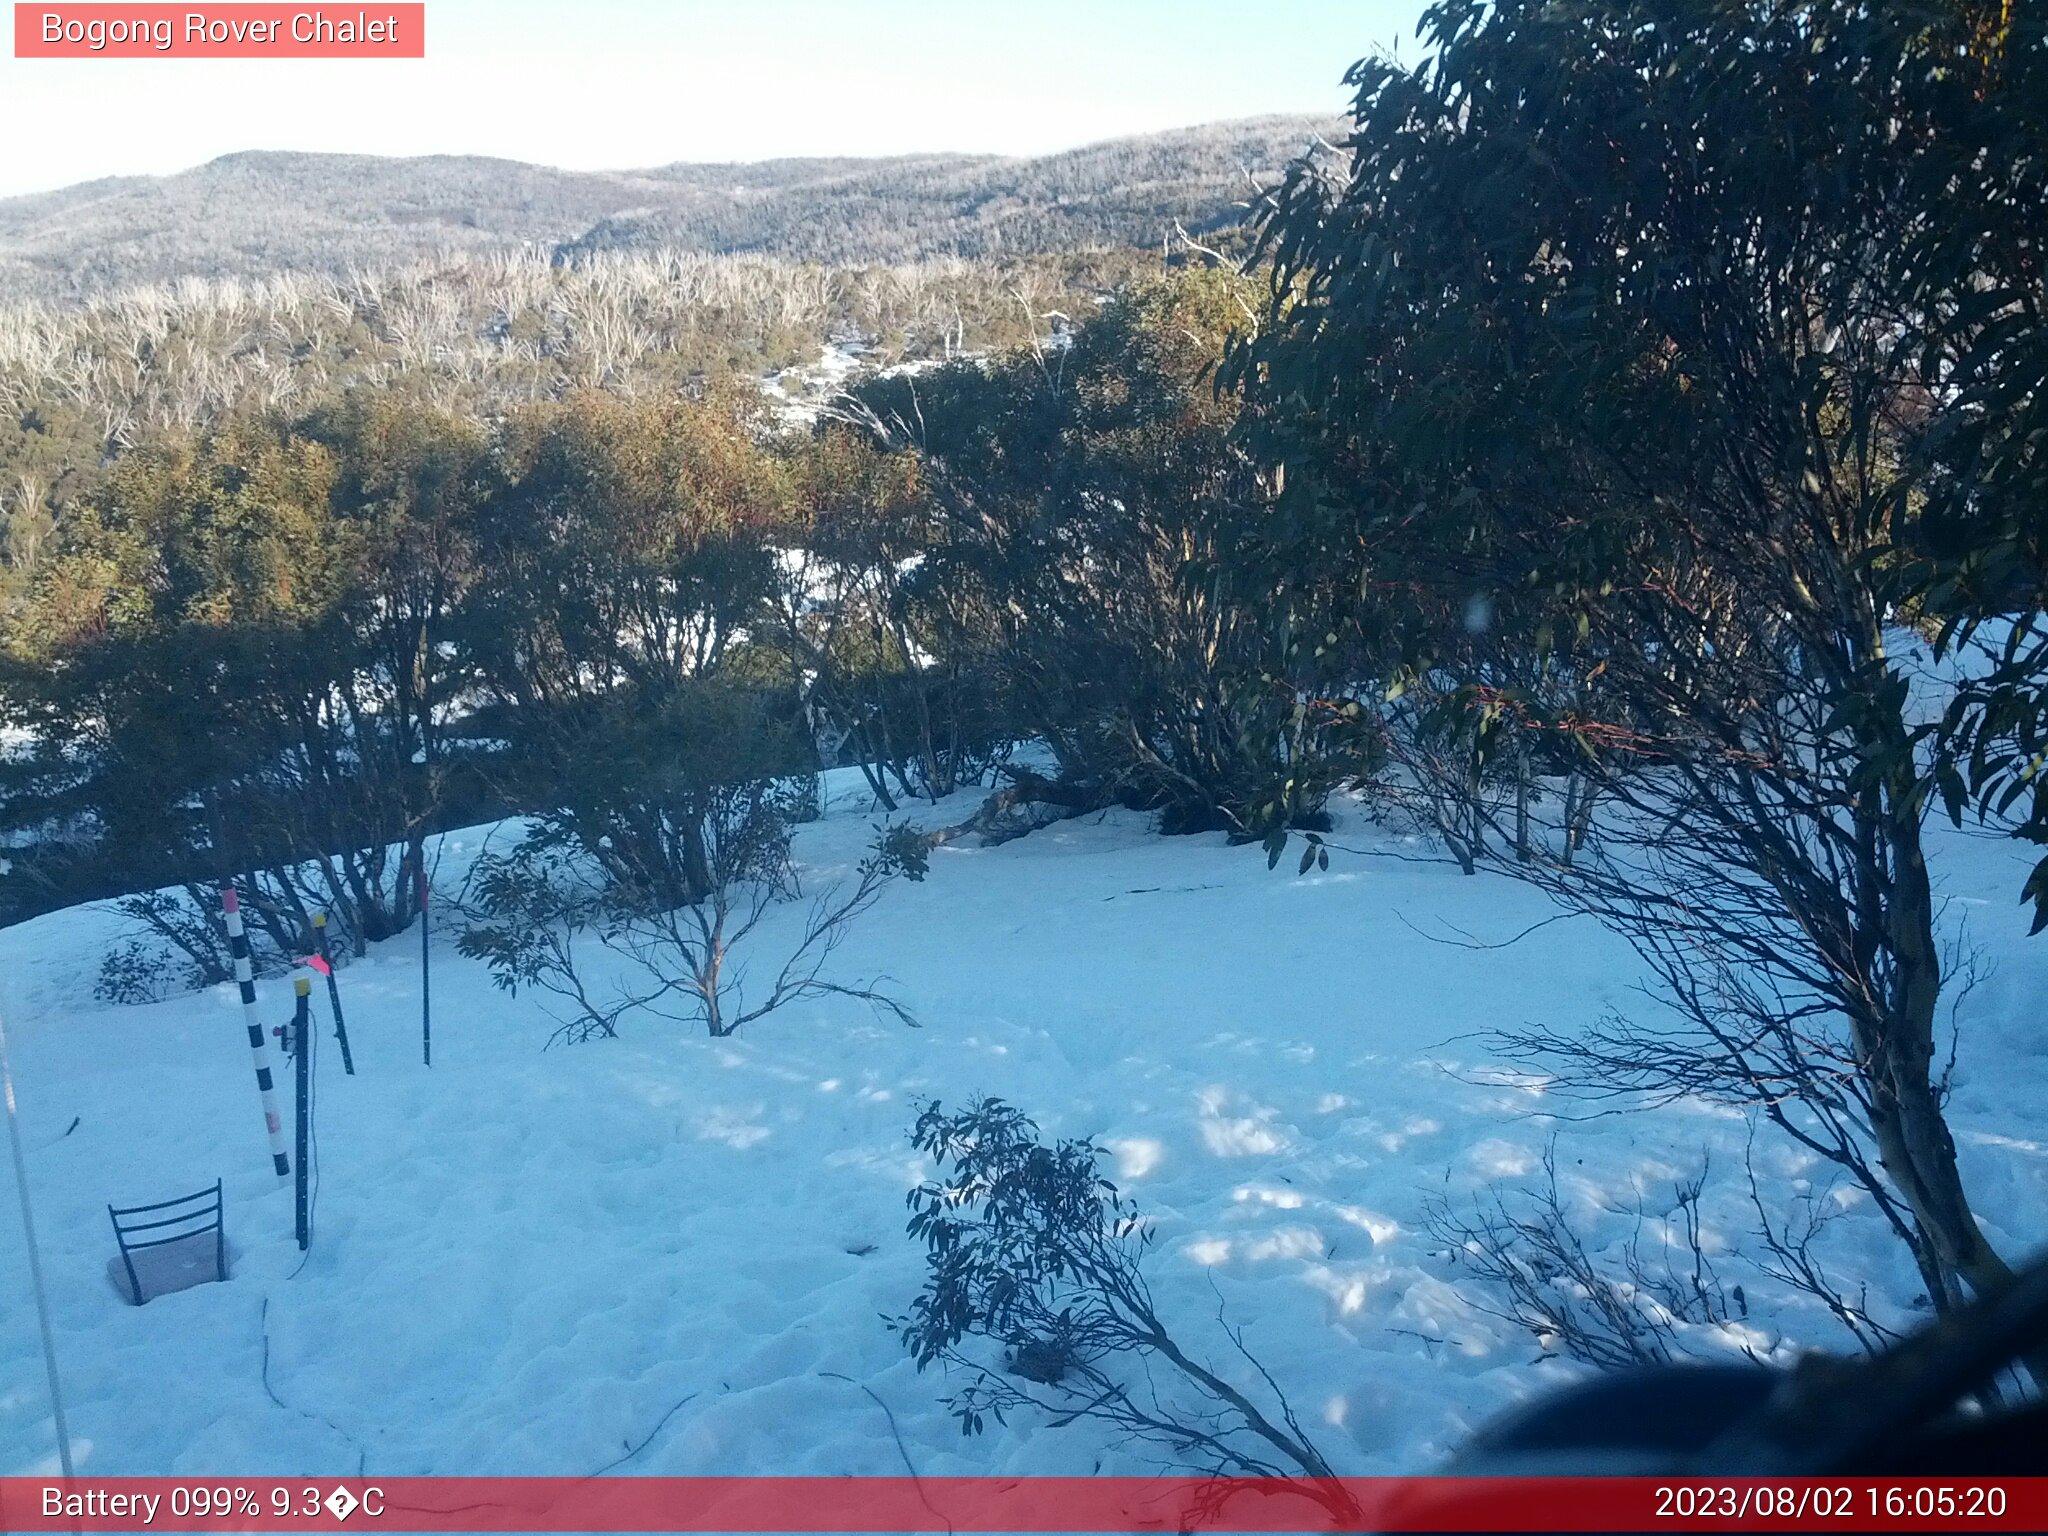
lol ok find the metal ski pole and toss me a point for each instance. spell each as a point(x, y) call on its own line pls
point(348, 1063)
point(302, 1063)
point(426, 981)
point(35, 1262)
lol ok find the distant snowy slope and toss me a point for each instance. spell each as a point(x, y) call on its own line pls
point(260, 212)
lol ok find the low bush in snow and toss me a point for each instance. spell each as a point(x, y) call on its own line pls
point(684, 960)
point(181, 942)
point(1034, 1291)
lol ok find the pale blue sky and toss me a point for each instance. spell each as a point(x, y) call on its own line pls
point(616, 83)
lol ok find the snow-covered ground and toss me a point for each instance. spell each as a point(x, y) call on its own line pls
point(799, 395)
point(526, 1261)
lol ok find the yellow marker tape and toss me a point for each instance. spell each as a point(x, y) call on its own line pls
point(301, 985)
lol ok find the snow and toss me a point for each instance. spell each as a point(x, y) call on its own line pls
point(523, 1261)
point(799, 395)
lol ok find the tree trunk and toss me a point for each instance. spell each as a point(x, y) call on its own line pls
point(1522, 849)
point(1572, 793)
point(1579, 823)
point(1474, 816)
point(1914, 1143)
point(1029, 789)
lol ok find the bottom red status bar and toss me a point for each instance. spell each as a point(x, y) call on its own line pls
point(1051, 1504)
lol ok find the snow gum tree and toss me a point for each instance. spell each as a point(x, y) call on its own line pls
point(1086, 501)
point(1597, 328)
point(237, 649)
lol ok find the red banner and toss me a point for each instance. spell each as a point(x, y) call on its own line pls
point(1051, 1504)
point(379, 31)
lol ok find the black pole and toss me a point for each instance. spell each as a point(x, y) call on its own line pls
point(302, 1061)
point(348, 1062)
point(426, 985)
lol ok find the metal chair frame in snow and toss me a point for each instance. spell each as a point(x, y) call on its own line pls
point(204, 1213)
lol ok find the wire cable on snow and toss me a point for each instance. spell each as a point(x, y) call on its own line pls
point(635, 1450)
point(897, 1434)
point(263, 1324)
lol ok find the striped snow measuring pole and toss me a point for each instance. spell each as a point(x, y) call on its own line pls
point(245, 979)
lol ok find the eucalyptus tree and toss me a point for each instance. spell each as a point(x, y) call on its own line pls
point(1599, 325)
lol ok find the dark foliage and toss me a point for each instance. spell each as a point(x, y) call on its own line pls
point(1032, 1254)
point(1597, 373)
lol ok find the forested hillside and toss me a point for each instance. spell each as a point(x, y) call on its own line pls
point(80, 385)
point(1123, 192)
point(259, 213)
